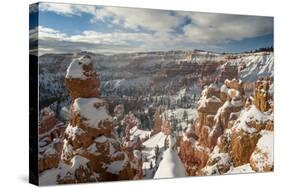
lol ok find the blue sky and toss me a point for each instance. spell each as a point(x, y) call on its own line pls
point(69, 28)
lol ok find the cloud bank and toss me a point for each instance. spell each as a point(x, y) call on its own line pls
point(148, 30)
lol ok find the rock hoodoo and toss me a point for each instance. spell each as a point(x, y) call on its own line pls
point(231, 131)
point(216, 108)
point(81, 79)
point(192, 154)
point(261, 95)
point(133, 144)
point(157, 122)
point(50, 140)
point(90, 151)
point(261, 159)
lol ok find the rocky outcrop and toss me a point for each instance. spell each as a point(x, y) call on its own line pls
point(136, 164)
point(261, 159)
point(157, 122)
point(229, 130)
point(198, 138)
point(241, 139)
point(216, 108)
point(162, 123)
point(218, 163)
point(90, 151)
point(193, 155)
point(133, 144)
point(247, 129)
point(81, 79)
point(261, 96)
point(228, 71)
point(246, 141)
point(166, 127)
point(242, 146)
point(50, 140)
point(130, 121)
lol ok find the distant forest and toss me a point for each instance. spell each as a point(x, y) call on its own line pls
point(265, 49)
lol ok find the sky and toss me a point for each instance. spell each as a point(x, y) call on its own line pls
point(68, 28)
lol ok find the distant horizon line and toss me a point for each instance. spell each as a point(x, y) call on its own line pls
point(157, 51)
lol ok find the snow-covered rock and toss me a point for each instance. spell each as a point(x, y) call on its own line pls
point(262, 159)
point(91, 151)
point(81, 79)
point(218, 163)
point(86, 107)
point(49, 140)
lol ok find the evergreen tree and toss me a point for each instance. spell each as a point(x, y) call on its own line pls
point(185, 116)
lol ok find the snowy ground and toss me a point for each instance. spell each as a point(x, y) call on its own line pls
point(49, 177)
point(171, 166)
point(149, 153)
point(135, 132)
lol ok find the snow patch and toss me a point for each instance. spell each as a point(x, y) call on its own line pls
point(251, 114)
point(116, 166)
point(263, 154)
point(93, 109)
point(241, 169)
point(75, 69)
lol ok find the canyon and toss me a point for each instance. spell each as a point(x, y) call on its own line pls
point(141, 115)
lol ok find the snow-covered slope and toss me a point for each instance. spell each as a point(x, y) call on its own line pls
point(151, 156)
point(49, 177)
point(241, 169)
point(263, 156)
point(254, 65)
point(170, 166)
point(155, 140)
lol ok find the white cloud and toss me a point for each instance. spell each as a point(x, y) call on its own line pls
point(51, 40)
point(33, 34)
point(132, 18)
point(118, 38)
point(222, 28)
point(67, 9)
point(152, 29)
point(204, 27)
point(46, 33)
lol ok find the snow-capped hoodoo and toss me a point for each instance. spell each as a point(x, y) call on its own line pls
point(228, 128)
point(81, 79)
point(246, 144)
point(133, 144)
point(90, 151)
